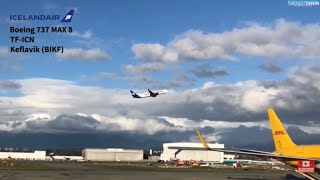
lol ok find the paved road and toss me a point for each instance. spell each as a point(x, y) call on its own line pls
point(137, 175)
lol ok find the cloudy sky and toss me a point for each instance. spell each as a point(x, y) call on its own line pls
point(224, 64)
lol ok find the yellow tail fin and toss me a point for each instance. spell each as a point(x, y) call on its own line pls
point(205, 145)
point(281, 138)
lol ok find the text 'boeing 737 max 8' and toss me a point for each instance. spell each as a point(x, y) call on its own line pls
point(148, 94)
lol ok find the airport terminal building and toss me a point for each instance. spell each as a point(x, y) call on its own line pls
point(111, 154)
point(197, 155)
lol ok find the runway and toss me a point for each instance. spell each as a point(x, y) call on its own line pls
point(113, 174)
point(63, 170)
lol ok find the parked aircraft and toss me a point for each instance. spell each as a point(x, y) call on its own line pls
point(285, 149)
point(68, 158)
point(148, 94)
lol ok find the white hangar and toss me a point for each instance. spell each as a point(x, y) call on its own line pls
point(187, 155)
point(111, 154)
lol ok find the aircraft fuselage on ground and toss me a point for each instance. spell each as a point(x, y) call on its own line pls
point(285, 149)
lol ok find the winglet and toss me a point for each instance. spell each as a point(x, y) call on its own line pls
point(205, 145)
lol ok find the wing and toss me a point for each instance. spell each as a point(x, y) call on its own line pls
point(235, 151)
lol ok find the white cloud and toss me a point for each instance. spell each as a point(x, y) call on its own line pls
point(5, 54)
point(148, 126)
point(38, 116)
point(10, 67)
point(188, 124)
point(256, 99)
point(84, 35)
point(81, 54)
point(219, 106)
point(9, 85)
point(154, 52)
point(281, 39)
point(142, 68)
point(3, 51)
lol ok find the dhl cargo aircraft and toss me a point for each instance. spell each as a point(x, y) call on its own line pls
point(285, 149)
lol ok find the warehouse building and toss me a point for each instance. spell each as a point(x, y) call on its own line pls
point(36, 155)
point(170, 152)
point(111, 154)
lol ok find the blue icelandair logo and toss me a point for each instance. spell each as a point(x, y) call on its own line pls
point(42, 17)
point(68, 16)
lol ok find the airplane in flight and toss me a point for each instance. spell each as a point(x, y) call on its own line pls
point(149, 93)
point(286, 150)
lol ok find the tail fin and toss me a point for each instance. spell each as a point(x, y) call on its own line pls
point(135, 95)
point(152, 94)
point(68, 16)
point(281, 138)
point(205, 145)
